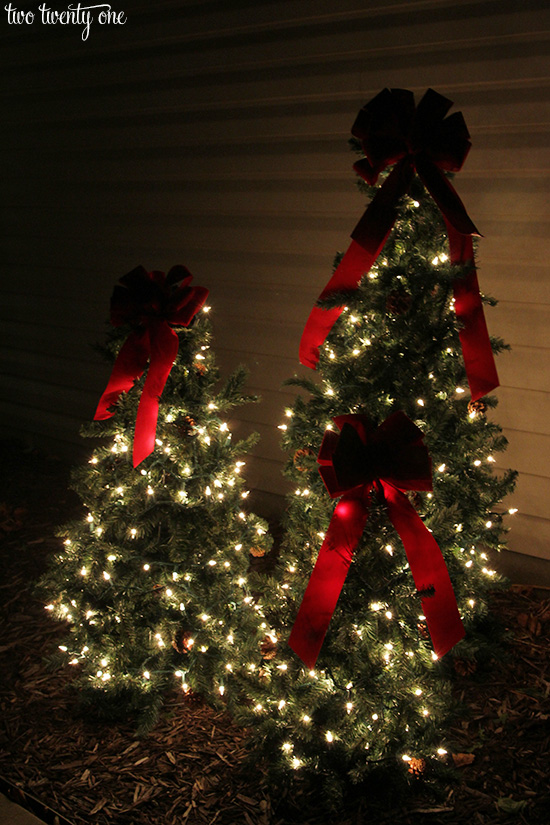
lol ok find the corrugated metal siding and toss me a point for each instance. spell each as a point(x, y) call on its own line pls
point(214, 134)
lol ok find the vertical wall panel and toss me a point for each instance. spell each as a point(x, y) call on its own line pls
point(215, 134)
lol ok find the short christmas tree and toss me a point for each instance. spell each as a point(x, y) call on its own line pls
point(373, 707)
point(153, 579)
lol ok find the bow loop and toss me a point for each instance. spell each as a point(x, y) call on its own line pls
point(383, 127)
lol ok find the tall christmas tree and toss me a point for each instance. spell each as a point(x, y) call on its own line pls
point(152, 579)
point(394, 467)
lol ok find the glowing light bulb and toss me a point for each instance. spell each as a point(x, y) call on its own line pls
point(329, 736)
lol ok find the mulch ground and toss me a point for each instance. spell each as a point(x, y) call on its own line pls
point(189, 769)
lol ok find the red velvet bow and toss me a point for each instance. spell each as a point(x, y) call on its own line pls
point(393, 132)
point(389, 459)
point(151, 302)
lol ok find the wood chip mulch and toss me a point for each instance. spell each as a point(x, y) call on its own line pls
point(188, 770)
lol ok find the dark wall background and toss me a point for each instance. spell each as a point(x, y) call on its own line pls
point(215, 134)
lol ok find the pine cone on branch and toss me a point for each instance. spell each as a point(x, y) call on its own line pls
point(268, 648)
point(299, 455)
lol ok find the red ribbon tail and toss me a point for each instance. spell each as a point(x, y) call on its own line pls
point(478, 355)
point(327, 579)
point(368, 238)
point(164, 350)
point(128, 367)
point(445, 196)
point(429, 571)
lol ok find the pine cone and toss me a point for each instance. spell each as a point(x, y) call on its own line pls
point(477, 407)
point(398, 302)
point(415, 499)
point(257, 552)
point(416, 766)
point(186, 425)
point(183, 641)
point(299, 454)
point(423, 630)
point(268, 648)
point(201, 369)
point(465, 667)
